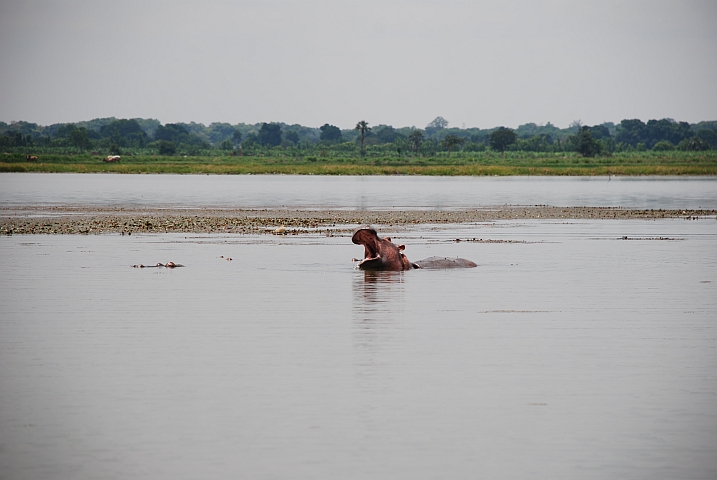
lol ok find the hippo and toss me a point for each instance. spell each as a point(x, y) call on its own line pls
point(383, 254)
point(380, 253)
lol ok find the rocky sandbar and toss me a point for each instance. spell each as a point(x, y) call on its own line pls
point(101, 220)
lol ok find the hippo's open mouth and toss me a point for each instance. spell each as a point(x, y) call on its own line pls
point(370, 252)
point(379, 253)
point(368, 238)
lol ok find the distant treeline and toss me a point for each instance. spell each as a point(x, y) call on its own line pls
point(149, 137)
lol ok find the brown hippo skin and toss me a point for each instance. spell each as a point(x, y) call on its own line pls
point(383, 254)
point(380, 253)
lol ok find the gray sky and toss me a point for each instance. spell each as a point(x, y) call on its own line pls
point(478, 63)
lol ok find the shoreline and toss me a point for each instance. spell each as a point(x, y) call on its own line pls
point(30, 220)
point(389, 169)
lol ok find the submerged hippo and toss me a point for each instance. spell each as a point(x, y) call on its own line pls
point(383, 254)
point(157, 265)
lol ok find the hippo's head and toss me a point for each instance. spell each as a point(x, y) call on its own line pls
point(380, 253)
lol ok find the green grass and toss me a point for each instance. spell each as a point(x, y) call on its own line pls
point(484, 163)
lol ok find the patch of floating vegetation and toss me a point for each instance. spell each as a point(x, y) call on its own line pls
point(650, 238)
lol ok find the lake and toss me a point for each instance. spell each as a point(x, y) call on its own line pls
point(354, 192)
point(569, 352)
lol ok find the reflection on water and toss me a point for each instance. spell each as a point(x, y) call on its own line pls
point(378, 307)
point(378, 316)
point(376, 287)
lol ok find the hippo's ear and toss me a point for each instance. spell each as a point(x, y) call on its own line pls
point(362, 236)
point(401, 247)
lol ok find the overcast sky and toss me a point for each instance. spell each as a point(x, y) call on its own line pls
point(402, 63)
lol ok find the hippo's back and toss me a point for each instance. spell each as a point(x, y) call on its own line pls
point(436, 263)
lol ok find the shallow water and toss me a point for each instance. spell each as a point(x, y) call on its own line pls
point(574, 354)
point(354, 192)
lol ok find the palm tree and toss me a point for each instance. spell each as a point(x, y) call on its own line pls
point(400, 145)
point(363, 128)
point(451, 141)
point(416, 138)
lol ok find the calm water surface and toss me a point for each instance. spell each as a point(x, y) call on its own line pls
point(359, 192)
point(572, 355)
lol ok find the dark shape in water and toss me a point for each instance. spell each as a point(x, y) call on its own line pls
point(436, 263)
point(383, 254)
point(157, 265)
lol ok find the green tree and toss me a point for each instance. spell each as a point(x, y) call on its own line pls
point(124, 132)
point(292, 136)
point(63, 131)
point(330, 133)
point(585, 144)
point(708, 135)
point(167, 148)
point(386, 134)
point(536, 143)
point(218, 132)
point(634, 132)
point(416, 138)
point(666, 129)
point(663, 146)
point(501, 138)
point(599, 132)
point(451, 141)
point(172, 132)
point(631, 132)
point(363, 129)
point(438, 124)
point(400, 144)
point(250, 140)
point(236, 136)
point(79, 138)
point(227, 145)
point(270, 134)
point(694, 144)
point(474, 147)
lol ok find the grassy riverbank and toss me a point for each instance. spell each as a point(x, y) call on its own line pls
point(514, 163)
